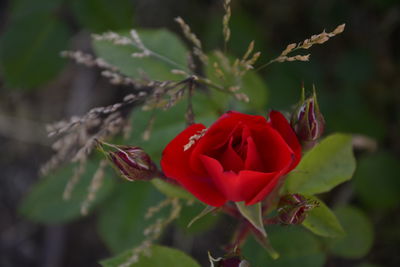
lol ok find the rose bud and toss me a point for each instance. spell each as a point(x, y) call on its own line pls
point(133, 163)
point(307, 120)
point(233, 260)
point(293, 208)
point(238, 158)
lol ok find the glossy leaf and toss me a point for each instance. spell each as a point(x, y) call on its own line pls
point(253, 214)
point(322, 221)
point(195, 218)
point(204, 212)
point(45, 203)
point(325, 166)
point(169, 53)
point(171, 190)
point(30, 50)
point(159, 256)
point(359, 239)
point(256, 89)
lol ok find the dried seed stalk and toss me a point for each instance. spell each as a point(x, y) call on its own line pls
point(187, 32)
point(306, 44)
point(78, 172)
point(95, 185)
point(226, 31)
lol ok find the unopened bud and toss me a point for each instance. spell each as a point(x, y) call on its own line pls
point(307, 120)
point(230, 260)
point(293, 208)
point(233, 262)
point(132, 162)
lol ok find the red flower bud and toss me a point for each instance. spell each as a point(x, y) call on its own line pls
point(307, 120)
point(231, 260)
point(131, 161)
point(293, 208)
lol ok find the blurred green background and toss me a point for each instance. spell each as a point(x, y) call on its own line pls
point(357, 76)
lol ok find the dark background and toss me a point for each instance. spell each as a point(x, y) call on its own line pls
point(356, 74)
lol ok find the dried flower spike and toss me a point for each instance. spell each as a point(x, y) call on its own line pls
point(197, 47)
point(306, 44)
point(225, 21)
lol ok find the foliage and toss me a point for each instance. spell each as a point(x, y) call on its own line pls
point(358, 241)
point(328, 164)
point(159, 256)
point(152, 67)
point(322, 221)
point(45, 203)
point(122, 206)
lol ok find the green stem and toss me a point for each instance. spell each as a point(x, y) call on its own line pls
point(265, 65)
point(209, 83)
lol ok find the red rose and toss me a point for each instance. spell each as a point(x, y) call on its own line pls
point(239, 158)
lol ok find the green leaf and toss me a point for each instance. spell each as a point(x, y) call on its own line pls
point(197, 213)
point(322, 221)
point(376, 181)
point(29, 54)
point(171, 54)
point(297, 247)
point(359, 239)
point(121, 220)
point(171, 190)
point(253, 214)
point(159, 256)
point(45, 203)
point(256, 89)
point(203, 213)
point(104, 15)
point(325, 166)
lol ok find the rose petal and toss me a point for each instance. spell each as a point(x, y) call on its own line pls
point(253, 159)
point(230, 160)
point(212, 144)
point(274, 152)
point(279, 123)
point(273, 183)
point(175, 165)
point(219, 133)
point(240, 158)
point(237, 187)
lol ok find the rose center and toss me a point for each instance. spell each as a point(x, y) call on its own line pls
point(240, 147)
